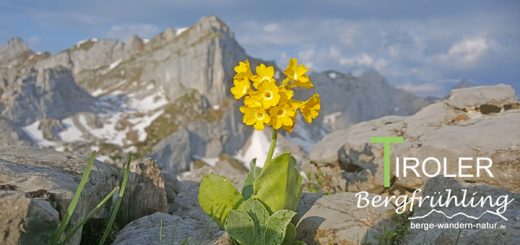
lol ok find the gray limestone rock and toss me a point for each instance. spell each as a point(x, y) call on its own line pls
point(145, 193)
point(509, 234)
point(25, 220)
point(335, 219)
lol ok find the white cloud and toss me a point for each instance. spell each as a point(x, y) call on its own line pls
point(34, 41)
point(307, 56)
point(466, 53)
point(124, 31)
point(362, 59)
point(424, 88)
point(272, 27)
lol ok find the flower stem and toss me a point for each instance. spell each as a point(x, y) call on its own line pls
point(270, 153)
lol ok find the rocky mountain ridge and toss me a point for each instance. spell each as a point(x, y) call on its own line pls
point(143, 95)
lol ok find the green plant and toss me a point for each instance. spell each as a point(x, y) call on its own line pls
point(269, 193)
point(117, 204)
point(262, 212)
point(386, 236)
point(58, 234)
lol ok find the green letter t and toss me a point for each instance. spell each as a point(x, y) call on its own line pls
point(386, 141)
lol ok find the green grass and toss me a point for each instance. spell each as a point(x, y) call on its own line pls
point(117, 203)
point(89, 216)
point(59, 233)
point(70, 210)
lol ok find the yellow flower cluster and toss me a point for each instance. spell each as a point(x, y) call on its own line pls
point(267, 103)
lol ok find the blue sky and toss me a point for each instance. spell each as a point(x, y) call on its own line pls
point(422, 46)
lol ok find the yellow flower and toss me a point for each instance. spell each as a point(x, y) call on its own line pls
point(310, 108)
point(266, 103)
point(282, 115)
point(263, 74)
point(255, 116)
point(241, 80)
point(267, 94)
point(296, 75)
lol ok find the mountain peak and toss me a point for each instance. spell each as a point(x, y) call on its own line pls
point(13, 48)
point(212, 23)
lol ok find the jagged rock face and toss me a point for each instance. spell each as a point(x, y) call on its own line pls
point(88, 55)
point(472, 122)
point(42, 93)
point(348, 99)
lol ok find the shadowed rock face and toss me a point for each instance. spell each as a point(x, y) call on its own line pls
point(33, 94)
point(12, 135)
point(460, 126)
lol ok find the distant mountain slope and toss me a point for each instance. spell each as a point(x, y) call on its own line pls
point(349, 99)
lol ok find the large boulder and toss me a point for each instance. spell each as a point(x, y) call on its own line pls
point(335, 219)
point(36, 188)
point(472, 122)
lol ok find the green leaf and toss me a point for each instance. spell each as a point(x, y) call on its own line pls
point(251, 176)
point(117, 204)
point(240, 226)
point(290, 234)
point(277, 225)
point(218, 196)
point(299, 243)
point(259, 214)
point(279, 186)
